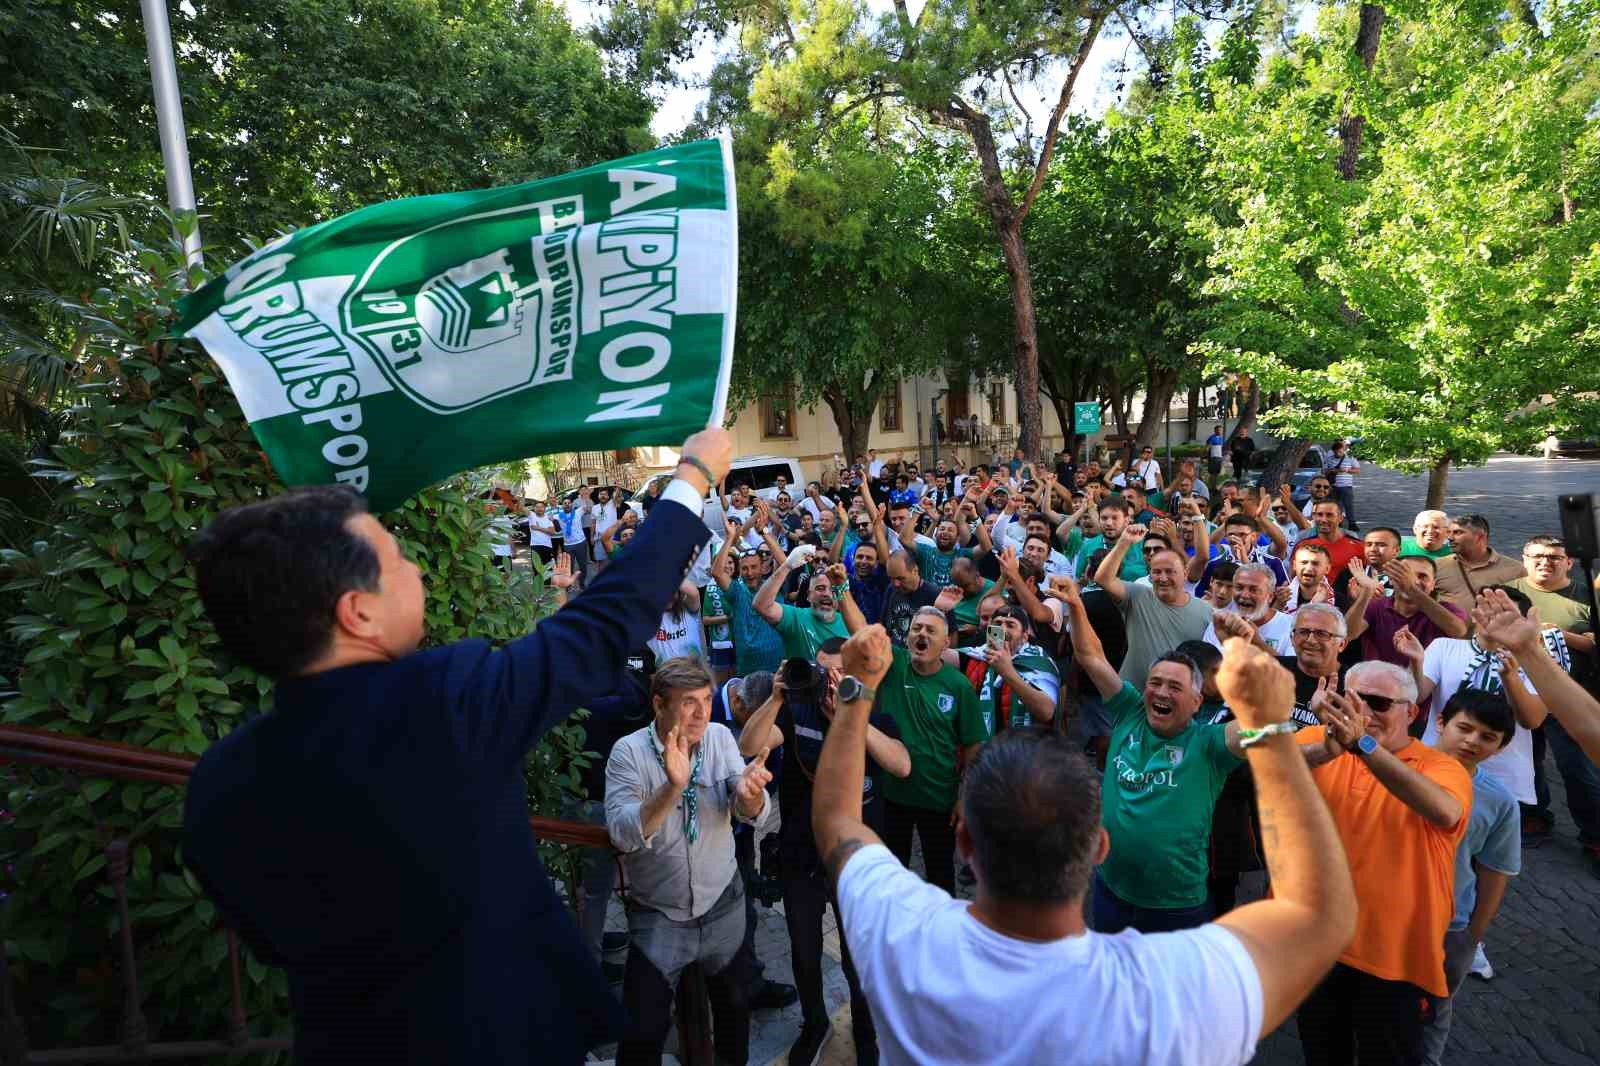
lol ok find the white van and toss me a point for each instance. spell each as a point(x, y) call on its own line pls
point(760, 472)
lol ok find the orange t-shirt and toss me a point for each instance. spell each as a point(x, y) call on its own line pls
point(1403, 866)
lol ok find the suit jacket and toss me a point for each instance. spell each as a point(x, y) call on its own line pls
point(370, 835)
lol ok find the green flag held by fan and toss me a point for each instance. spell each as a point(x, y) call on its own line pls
point(408, 341)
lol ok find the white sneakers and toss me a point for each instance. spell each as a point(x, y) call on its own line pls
point(1480, 964)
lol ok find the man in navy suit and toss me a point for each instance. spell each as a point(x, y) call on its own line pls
point(370, 834)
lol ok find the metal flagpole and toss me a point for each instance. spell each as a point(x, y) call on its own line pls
point(169, 119)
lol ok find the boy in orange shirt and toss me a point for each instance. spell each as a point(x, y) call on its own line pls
point(1401, 808)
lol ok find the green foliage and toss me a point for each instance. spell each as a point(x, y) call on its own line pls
point(299, 110)
point(117, 647)
point(835, 273)
point(1444, 300)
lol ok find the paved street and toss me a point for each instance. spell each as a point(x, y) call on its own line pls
point(1517, 495)
point(1541, 1007)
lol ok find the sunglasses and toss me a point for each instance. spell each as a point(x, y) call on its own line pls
point(1381, 704)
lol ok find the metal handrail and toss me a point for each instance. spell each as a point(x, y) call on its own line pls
point(106, 758)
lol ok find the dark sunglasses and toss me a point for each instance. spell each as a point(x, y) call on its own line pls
point(1381, 704)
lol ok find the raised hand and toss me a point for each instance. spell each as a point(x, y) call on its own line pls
point(1232, 624)
point(1407, 644)
point(1009, 566)
point(838, 575)
point(1256, 688)
point(800, 554)
point(1134, 532)
point(1345, 717)
point(714, 448)
point(867, 655)
point(1400, 577)
point(1280, 597)
point(1361, 576)
point(753, 782)
point(1324, 593)
point(1320, 695)
point(675, 758)
point(1286, 493)
point(1066, 590)
point(949, 596)
point(1498, 619)
point(561, 575)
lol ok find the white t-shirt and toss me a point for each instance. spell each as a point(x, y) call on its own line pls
point(540, 529)
point(945, 988)
point(752, 539)
point(1275, 631)
point(1150, 471)
point(816, 512)
point(677, 636)
point(1447, 662)
point(605, 516)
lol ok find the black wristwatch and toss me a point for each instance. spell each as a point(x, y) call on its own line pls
point(851, 689)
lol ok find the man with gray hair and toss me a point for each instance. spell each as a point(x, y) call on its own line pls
point(937, 713)
point(673, 791)
point(1401, 808)
point(1430, 536)
point(1253, 586)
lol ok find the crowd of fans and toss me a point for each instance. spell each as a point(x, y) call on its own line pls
point(1089, 604)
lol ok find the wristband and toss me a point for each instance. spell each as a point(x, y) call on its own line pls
point(840, 591)
point(1247, 737)
point(705, 470)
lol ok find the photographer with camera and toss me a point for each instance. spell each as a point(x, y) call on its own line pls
point(796, 717)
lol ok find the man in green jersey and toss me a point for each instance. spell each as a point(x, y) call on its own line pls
point(974, 586)
point(803, 629)
point(1164, 771)
point(1115, 515)
point(937, 713)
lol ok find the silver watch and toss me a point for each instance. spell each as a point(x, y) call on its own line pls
point(851, 689)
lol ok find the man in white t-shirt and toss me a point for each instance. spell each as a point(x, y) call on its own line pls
point(1253, 586)
point(1448, 663)
point(541, 528)
point(1028, 820)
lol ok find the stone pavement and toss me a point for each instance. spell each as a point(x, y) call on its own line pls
point(1543, 1005)
point(1515, 493)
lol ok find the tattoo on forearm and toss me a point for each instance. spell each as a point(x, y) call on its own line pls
point(840, 855)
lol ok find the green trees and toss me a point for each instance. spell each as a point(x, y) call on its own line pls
point(297, 110)
point(1440, 303)
point(952, 64)
point(300, 110)
point(840, 296)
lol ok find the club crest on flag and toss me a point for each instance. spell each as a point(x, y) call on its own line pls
point(411, 340)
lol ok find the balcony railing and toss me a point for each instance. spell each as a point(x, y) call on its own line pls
point(87, 757)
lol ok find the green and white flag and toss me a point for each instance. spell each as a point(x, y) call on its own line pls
point(408, 341)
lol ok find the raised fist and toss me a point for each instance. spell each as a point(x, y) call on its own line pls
point(1256, 688)
point(713, 447)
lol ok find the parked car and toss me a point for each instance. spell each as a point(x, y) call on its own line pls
point(760, 472)
point(1311, 465)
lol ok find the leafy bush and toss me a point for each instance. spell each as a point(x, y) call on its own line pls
point(116, 646)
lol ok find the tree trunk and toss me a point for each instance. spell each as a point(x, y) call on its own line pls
point(1119, 410)
point(1285, 462)
point(1019, 277)
point(1191, 422)
point(1438, 475)
point(852, 414)
point(1160, 384)
point(1248, 413)
point(1352, 126)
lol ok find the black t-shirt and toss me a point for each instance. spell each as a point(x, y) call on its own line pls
point(1105, 618)
point(899, 607)
point(804, 728)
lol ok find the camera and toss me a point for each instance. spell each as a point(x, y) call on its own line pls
point(804, 682)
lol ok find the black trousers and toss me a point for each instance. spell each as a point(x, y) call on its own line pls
point(1353, 1013)
point(938, 838)
point(804, 898)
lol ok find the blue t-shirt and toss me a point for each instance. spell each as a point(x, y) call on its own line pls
point(1494, 839)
